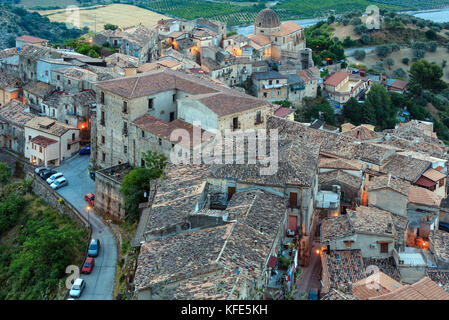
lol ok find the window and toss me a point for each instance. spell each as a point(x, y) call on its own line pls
point(125, 107)
point(102, 118)
point(29, 138)
point(259, 117)
point(40, 149)
point(265, 94)
point(172, 116)
point(172, 145)
point(270, 82)
point(143, 134)
point(174, 97)
point(142, 163)
point(74, 109)
point(235, 123)
point(150, 104)
point(384, 248)
point(277, 81)
point(279, 92)
point(125, 128)
point(44, 108)
point(58, 77)
point(102, 139)
point(160, 141)
point(53, 112)
point(104, 156)
point(69, 82)
point(68, 146)
point(125, 149)
point(441, 182)
point(102, 97)
point(46, 73)
point(73, 137)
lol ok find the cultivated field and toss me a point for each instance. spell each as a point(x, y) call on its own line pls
point(122, 15)
point(437, 57)
point(29, 4)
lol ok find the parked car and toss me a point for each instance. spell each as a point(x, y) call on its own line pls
point(443, 226)
point(88, 265)
point(90, 197)
point(47, 173)
point(85, 150)
point(92, 175)
point(38, 170)
point(59, 183)
point(313, 294)
point(77, 288)
point(54, 177)
point(94, 248)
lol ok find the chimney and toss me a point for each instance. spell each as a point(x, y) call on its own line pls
point(389, 179)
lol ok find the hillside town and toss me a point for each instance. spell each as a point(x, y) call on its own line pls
point(350, 213)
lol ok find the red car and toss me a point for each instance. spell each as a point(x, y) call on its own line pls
point(88, 265)
point(90, 197)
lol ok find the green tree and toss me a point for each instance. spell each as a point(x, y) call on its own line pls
point(378, 100)
point(352, 111)
point(389, 62)
point(383, 51)
point(138, 182)
point(405, 60)
point(109, 26)
point(321, 111)
point(365, 38)
point(427, 75)
point(5, 173)
point(359, 54)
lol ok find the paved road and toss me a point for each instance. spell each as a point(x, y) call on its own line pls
point(311, 274)
point(100, 283)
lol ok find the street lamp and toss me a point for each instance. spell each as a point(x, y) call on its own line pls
point(88, 209)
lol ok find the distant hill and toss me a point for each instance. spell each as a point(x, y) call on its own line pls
point(16, 21)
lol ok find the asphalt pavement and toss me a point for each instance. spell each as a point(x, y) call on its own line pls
point(100, 283)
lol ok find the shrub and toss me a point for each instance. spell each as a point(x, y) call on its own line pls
point(359, 54)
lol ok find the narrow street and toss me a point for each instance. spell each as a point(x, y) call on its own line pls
point(100, 283)
point(311, 274)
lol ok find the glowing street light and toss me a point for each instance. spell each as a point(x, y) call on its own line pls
point(88, 208)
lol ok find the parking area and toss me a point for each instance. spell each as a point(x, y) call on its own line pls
point(100, 283)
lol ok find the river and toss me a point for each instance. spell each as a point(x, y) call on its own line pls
point(437, 15)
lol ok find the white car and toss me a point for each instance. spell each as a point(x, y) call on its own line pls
point(54, 177)
point(77, 288)
point(59, 183)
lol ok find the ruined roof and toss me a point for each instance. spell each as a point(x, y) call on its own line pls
point(7, 80)
point(335, 227)
point(74, 72)
point(363, 133)
point(38, 88)
point(43, 141)
point(372, 221)
point(423, 196)
point(16, 112)
point(440, 276)
point(334, 294)
point(6, 53)
point(424, 289)
point(404, 167)
point(122, 60)
point(373, 153)
point(36, 52)
point(387, 181)
point(374, 285)
point(50, 126)
point(139, 35)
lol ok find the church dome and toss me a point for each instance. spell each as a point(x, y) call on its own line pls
point(267, 18)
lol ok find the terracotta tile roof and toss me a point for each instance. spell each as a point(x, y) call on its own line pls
point(336, 78)
point(424, 289)
point(50, 126)
point(341, 164)
point(373, 153)
point(439, 245)
point(423, 196)
point(399, 84)
point(386, 181)
point(43, 141)
point(424, 182)
point(374, 285)
point(16, 113)
point(363, 133)
point(434, 175)
point(30, 39)
point(335, 227)
point(283, 112)
point(372, 221)
point(74, 72)
point(260, 39)
point(225, 104)
point(164, 129)
point(404, 167)
point(287, 27)
point(340, 177)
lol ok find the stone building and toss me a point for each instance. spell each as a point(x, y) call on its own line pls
point(9, 88)
point(13, 117)
point(48, 142)
point(167, 95)
point(29, 56)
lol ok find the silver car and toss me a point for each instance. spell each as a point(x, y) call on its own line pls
point(77, 288)
point(53, 177)
point(59, 183)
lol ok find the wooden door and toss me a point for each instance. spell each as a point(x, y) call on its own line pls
point(231, 191)
point(293, 200)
